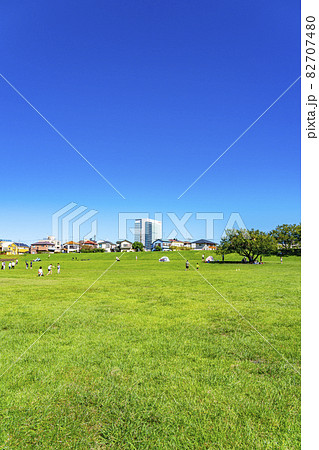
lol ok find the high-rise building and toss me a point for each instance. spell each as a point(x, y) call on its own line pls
point(147, 231)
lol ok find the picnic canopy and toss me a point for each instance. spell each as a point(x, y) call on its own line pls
point(209, 259)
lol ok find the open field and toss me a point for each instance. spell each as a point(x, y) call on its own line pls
point(151, 356)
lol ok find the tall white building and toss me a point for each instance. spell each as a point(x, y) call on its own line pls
point(147, 231)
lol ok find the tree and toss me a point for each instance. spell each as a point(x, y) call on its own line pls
point(158, 248)
point(288, 237)
point(86, 249)
point(250, 244)
point(138, 246)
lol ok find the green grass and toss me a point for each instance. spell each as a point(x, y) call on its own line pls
point(150, 356)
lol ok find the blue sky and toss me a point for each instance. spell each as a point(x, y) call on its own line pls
point(151, 92)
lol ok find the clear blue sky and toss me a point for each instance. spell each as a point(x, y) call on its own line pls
point(151, 92)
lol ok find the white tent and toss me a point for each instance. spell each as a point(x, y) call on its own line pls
point(209, 259)
point(164, 259)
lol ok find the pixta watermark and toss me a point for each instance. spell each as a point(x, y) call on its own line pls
point(74, 223)
point(169, 225)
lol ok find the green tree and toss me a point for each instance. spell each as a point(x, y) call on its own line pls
point(158, 248)
point(138, 246)
point(288, 237)
point(250, 244)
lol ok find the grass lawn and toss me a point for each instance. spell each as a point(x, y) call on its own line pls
point(151, 356)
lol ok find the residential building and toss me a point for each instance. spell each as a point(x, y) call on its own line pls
point(4, 245)
point(71, 247)
point(204, 244)
point(56, 246)
point(42, 246)
point(164, 244)
point(124, 246)
point(147, 231)
point(107, 246)
point(22, 248)
point(13, 248)
point(89, 243)
point(176, 243)
point(189, 245)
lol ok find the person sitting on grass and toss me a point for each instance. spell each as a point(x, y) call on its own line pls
point(40, 272)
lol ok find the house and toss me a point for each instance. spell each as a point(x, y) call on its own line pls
point(88, 243)
point(22, 248)
point(204, 244)
point(107, 246)
point(124, 246)
point(4, 245)
point(13, 248)
point(54, 247)
point(165, 245)
point(189, 245)
point(175, 243)
point(42, 246)
point(71, 247)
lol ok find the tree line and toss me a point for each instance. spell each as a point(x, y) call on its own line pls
point(284, 240)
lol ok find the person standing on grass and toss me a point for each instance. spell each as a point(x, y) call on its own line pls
point(281, 259)
point(197, 266)
point(26, 265)
point(203, 257)
point(58, 267)
point(49, 269)
point(30, 264)
point(10, 265)
point(3, 265)
point(40, 272)
point(187, 265)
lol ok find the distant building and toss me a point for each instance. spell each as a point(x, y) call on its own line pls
point(204, 244)
point(147, 231)
point(124, 246)
point(4, 245)
point(164, 244)
point(54, 247)
point(13, 248)
point(71, 247)
point(89, 243)
point(107, 246)
point(189, 245)
point(22, 248)
point(176, 243)
point(42, 246)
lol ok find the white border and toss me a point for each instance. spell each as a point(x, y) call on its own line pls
point(310, 301)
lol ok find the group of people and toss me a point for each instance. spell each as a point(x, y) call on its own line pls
point(50, 267)
point(11, 264)
point(187, 265)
